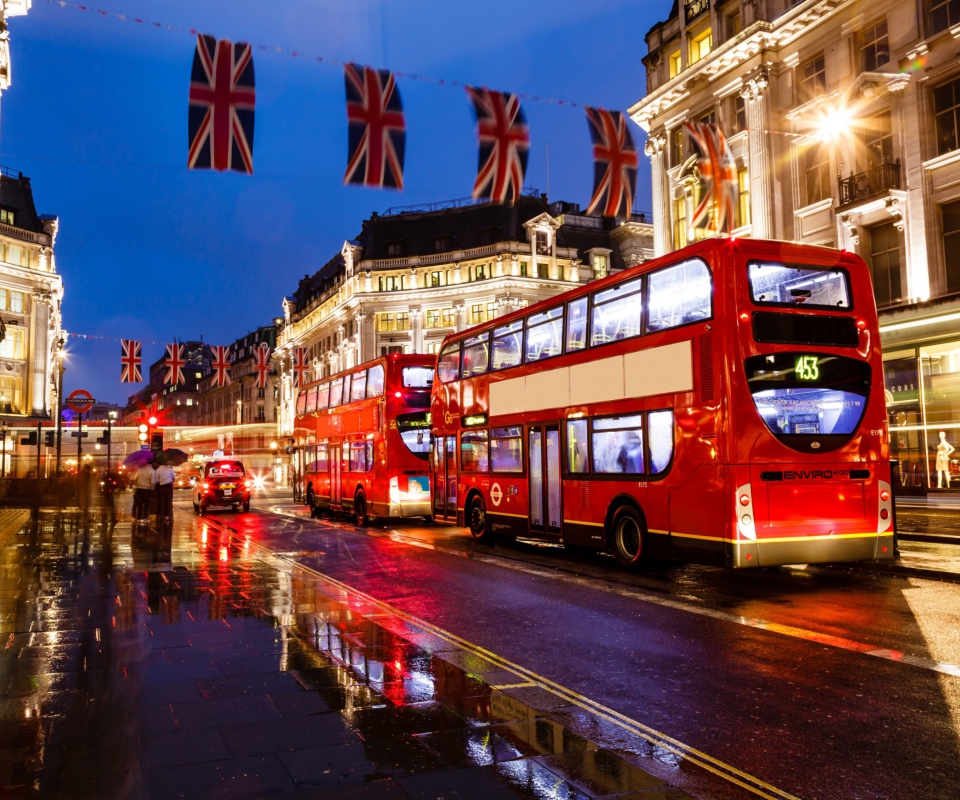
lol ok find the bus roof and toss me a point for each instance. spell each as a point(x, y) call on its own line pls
point(769, 248)
point(400, 359)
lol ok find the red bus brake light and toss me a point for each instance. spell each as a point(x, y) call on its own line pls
point(744, 500)
point(862, 324)
point(398, 395)
point(884, 495)
point(744, 316)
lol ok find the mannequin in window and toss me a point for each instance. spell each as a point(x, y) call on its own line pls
point(944, 449)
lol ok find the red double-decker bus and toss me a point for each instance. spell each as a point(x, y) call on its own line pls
point(722, 404)
point(362, 439)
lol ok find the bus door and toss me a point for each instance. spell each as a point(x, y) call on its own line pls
point(439, 474)
point(543, 454)
point(335, 467)
point(450, 477)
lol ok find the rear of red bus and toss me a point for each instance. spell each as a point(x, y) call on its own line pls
point(806, 439)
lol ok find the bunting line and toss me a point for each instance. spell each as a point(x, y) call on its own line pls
point(300, 54)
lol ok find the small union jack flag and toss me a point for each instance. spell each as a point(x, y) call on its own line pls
point(261, 365)
point(174, 363)
point(504, 145)
point(130, 361)
point(221, 365)
point(222, 101)
point(614, 163)
point(718, 170)
point(377, 130)
point(301, 366)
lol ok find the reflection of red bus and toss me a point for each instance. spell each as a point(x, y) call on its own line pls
point(722, 404)
point(363, 439)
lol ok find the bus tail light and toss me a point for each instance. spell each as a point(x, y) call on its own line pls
point(862, 324)
point(746, 519)
point(885, 508)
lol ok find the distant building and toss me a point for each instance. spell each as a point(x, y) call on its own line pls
point(100, 412)
point(418, 273)
point(172, 405)
point(241, 402)
point(31, 293)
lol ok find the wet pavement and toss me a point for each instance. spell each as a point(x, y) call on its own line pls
point(188, 662)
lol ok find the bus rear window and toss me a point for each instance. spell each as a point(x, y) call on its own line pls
point(414, 430)
point(417, 377)
point(795, 285)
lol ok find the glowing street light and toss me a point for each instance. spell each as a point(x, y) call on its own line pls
point(834, 123)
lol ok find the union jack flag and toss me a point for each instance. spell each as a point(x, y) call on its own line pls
point(300, 366)
point(377, 130)
point(718, 170)
point(261, 365)
point(504, 145)
point(221, 365)
point(174, 363)
point(130, 361)
point(222, 100)
point(614, 163)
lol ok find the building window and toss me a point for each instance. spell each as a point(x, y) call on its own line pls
point(442, 243)
point(190, 402)
point(816, 167)
point(701, 45)
point(10, 396)
point(941, 14)
point(679, 223)
point(14, 254)
point(433, 348)
point(523, 269)
point(391, 284)
point(7, 217)
point(674, 64)
point(946, 106)
point(874, 142)
point(743, 197)
point(874, 46)
point(12, 344)
point(812, 79)
point(261, 416)
point(481, 272)
point(885, 263)
point(261, 392)
point(477, 314)
point(599, 266)
point(543, 270)
point(709, 118)
point(433, 318)
point(543, 243)
point(448, 318)
point(676, 146)
point(951, 244)
point(734, 25)
point(396, 249)
point(740, 113)
point(436, 279)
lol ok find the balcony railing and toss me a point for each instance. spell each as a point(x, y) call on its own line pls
point(694, 8)
point(869, 183)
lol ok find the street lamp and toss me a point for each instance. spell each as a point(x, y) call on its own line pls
point(61, 342)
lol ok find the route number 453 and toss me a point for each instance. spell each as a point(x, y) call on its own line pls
point(807, 368)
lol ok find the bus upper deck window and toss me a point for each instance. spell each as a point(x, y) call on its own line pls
point(679, 295)
point(507, 345)
point(336, 392)
point(476, 355)
point(796, 285)
point(311, 405)
point(616, 313)
point(375, 381)
point(577, 325)
point(544, 334)
point(323, 397)
point(301, 401)
point(448, 365)
point(417, 377)
point(358, 389)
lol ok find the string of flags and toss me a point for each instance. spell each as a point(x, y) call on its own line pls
point(718, 170)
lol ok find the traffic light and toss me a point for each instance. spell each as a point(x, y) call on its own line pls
point(143, 432)
point(30, 439)
point(50, 439)
point(104, 438)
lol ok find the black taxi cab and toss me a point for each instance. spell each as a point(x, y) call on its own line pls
point(222, 483)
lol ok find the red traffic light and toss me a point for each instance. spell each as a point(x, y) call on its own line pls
point(152, 420)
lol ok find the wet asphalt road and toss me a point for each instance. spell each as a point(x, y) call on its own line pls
point(824, 683)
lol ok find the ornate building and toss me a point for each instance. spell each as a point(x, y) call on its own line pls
point(415, 274)
point(241, 402)
point(844, 118)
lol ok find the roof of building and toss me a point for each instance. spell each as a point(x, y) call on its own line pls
point(16, 195)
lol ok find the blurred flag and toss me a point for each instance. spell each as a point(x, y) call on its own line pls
point(130, 361)
point(614, 163)
point(504, 145)
point(377, 129)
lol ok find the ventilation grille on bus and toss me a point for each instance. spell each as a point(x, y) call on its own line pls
point(706, 368)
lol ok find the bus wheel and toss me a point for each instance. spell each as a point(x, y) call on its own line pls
point(628, 532)
point(477, 520)
point(360, 509)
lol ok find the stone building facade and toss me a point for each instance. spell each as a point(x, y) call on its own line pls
point(844, 119)
point(413, 276)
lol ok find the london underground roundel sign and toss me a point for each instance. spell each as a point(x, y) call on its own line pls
point(80, 400)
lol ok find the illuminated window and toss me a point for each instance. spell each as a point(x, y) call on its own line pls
point(16, 302)
point(674, 62)
point(436, 279)
point(7, 217)
point(10, 396)
point(679, 223)
point(812, 79)
point(448, 318)
point(874, 46)
point(740, 113)
point(543, 243)
point(676, 147)
point(477, 314)
point(701, 45)
point(17, 255)
point(390, 283)
point(743, 199)
point(403, 321)
point(433, 318)
point(734, 24)
point(12, 344)
point(599, 266)
point(523, 269)
point(385, 323)
point(189, 401)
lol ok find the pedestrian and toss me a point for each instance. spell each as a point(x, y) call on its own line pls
point(109, 488)
point(165, 478)
point(143, 482)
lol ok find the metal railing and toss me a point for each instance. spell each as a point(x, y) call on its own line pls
point(694, 8)
point(459, 202)
point(872, 181)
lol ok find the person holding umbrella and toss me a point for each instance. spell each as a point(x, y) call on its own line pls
point(165, 478)
point(144, 482)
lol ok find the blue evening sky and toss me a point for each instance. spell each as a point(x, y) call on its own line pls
point(97, 111)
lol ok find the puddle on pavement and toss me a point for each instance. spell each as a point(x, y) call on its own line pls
point(144, 662)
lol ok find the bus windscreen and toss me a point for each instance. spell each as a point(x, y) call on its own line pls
point(415, 431)
point(794, 285)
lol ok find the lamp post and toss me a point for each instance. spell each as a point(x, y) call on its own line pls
point(60, 342)
point(111, 416)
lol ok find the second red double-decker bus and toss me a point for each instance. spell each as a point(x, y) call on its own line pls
point(722, 404)
point(363, 439)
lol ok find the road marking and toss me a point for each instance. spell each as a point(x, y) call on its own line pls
point(851, 645)
point(655, 737)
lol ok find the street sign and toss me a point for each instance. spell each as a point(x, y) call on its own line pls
point(80, 400)
point(81, 434)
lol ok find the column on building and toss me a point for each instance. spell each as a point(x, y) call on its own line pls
point(461, 311)
point(759, 164)
point(655, 148)
point(359, 352)
point(36, 379)
point(416, 330)
point(909, 107)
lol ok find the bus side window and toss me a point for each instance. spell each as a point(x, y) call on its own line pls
point(506, 449)
point(507, 345)
point(577, 325)
point(375, 381)
point(476, 355)
point(311, 405)
point(448, 365)
point(660, 437)
point(616, 313)
point(336, 392)
point(345, 397)
point(679, 295)
point(322, 458)
point(618, 445)
point(323, 396)
point(359, 388)
point(544, 334)
point(301, 401)
point(577, 446)
point(474, 451)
